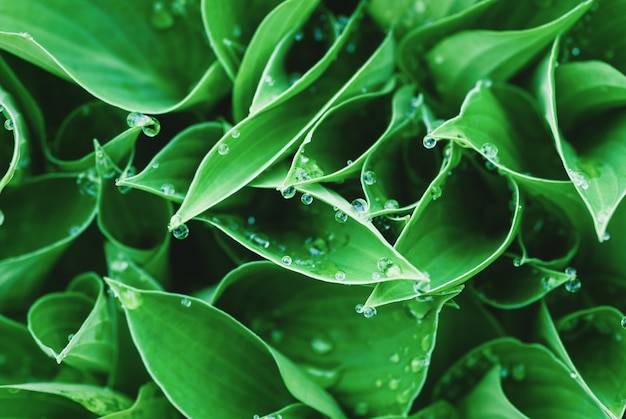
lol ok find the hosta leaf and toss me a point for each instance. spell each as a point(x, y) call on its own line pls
point(123, 269)
point(117, 60)
point(133, 221)
point(595, 341)
point(497, 55)
point(230, 26)
point(275, 34)
point(315, 239)
point(74, 326)
point(20, 358)
point(339, 142)
point(442, 229)
point(97, 400)
point(260, 139)
point(18, 403)
point(221, 368)
point(150, 403)
point(372, 366)
point(28, 208)
point(524, 380)
point(591, 142)
point(171, 171)
point(72, 149)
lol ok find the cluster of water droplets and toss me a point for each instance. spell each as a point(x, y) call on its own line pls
point(573, 284)
point(88, 182)
point(490, 151)
point(367, 312)
point(578, 178)
point(149, 125)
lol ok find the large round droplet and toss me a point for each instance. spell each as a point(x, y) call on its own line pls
point(181, 232)
point(360, 206)
point(341, 217)
point(288, 192)
point(489, 150)
point(9, 125)
point(369, 178)
point(223, 149)
point(306, 199)
point(429, 142)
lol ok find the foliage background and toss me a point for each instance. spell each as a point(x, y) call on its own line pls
point(390, 209)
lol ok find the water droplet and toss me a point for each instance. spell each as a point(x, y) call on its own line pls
point(223, 149)
point(269, 80)
point(388, 267)
point(130, 299)
point(429, 142)
point(419, 364)
point(298, 37)
point(435, 192)
point(321, 346)
point(573, 285)
point(606, 236)
point(369, 177)
point(578, 179)
point(360, 206)
point(395, 358)
point(154, 165)
point(9, 125)
point(518, 372)
point(604, 215)
point(361, 409)
point(517, 262)
point(369, 312)
point(160, 18)
point(375, 276)
point(489, 150)
point(421, 286)
point(149, 125)
point(288, 192)
point(575, 51)
point(391, 204)
point(349, 163)
point(286, 260)
point(394, 383)
point(306, 199)
point(180, 232)
point(573, 375)
point(340, 275)
point(569, 271)
point(235, 133)
point(185, 302)
point(623, 322)
point(261, 240)
point(70, 337)
point(168, 189)
point(88, 183)
point(341, 217)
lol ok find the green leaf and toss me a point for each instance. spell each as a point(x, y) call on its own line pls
point(18, 403)
point(118, 60)
point(444, 226)
point(28, 208)
point(524, 380)
point(150, 403)
point(171, 171)
point(596, 343)
point(263, 137)
point(98, 400)
point(228, 371)
point(20, 358)
point(593, 124)
point(372, 366)
point(325, 239)
point(72, 149)
point(74, 326)
point(230, 26)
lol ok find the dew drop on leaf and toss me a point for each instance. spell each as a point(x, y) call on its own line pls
point(130, 299)
point(8, 125)
point(168, 189)
point(306, 199)
point(369, 177)
point(286, 260)
point(391, 204)
point(435, 192)
point(149, 125)
point(223, 149)
point(181, 232)
point(573, 285)
point(185, 302)
point(340, 275)
point(429, 143)
point(517, 262)
point(623, 322)
point(341, 217)
point(360, 206)
point(288, 192)
point(235, 133)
